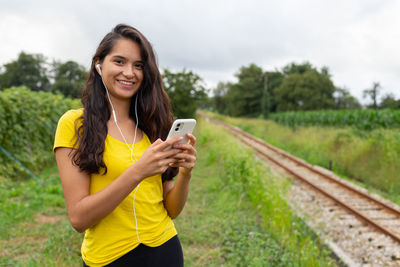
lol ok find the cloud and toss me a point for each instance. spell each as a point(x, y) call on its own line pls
point(356, 39)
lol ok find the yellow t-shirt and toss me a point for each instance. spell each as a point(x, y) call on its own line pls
point(116, 234)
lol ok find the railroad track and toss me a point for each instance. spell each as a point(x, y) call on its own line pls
point(381, 215)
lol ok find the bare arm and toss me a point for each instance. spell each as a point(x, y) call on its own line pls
point(85, 210)
point(175, 195)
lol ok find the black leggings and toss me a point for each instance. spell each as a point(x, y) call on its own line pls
point(168, 254)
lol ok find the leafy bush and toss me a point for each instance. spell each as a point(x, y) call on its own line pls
point(27, 126)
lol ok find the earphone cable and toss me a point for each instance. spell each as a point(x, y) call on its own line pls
point(130, 148)
point(116, 123)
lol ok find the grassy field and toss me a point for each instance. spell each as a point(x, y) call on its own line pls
point(34, 229)
point(236, 215)
point(370, 158)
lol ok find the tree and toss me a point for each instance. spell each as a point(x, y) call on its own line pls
point(186, 92)
point(274, 79)
point(220, 97)
point(308, 90)
point(388, 101)
point(293, 68)
point(245, 97)
point(344, 100)
point(251, 96)
point(373, 93)
point(28, 70)
point(325, 71)
point(69, 78)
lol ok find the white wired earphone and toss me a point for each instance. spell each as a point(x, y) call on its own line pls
point(98, 67)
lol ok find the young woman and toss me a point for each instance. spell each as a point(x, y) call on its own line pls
point(115, 172)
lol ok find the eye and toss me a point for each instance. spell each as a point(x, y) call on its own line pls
point(139, 66)
point(119, 61)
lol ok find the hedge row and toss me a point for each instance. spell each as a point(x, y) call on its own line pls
point(27, 126)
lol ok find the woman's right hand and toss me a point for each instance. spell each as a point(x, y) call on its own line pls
point(155, 160)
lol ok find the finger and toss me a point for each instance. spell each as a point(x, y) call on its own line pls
point(158, 141)
point(186, 165)
point(186, 147)
point(191, 142)
point(192, 139)
point(171, 153)
point(153, 146)
point(169, 142)
point(167, 163)
point(186, 157)
point(173, 165)
point(177, 161)
point(174, 139)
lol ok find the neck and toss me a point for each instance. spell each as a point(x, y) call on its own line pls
point(121, 108)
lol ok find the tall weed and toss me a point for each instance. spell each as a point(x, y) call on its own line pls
point(369, 157)
point(245, 177)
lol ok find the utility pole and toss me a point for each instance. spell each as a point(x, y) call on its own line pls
point(264, 95)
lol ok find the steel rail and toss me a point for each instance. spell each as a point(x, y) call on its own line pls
point(358, 214)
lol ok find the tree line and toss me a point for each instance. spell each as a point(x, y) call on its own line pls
point(296, 87)
point(257, 93)
point(35, 72)
point(185, 88)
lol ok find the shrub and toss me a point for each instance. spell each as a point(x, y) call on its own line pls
point(27, 126)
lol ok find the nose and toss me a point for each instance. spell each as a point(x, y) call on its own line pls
point(129, 72)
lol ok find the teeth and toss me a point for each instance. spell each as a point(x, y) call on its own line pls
point(127, 83)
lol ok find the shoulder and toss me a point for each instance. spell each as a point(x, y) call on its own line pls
point(66, 129)
point(70, 116)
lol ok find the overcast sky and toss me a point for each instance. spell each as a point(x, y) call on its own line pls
point(358, 40)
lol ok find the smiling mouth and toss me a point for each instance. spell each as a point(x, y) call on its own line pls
point(126, 83)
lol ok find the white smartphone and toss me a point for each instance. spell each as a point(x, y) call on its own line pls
point(181, 127)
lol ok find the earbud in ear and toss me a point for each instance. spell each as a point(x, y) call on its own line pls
point(99, 68)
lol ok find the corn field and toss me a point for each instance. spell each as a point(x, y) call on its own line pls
point(366, 119)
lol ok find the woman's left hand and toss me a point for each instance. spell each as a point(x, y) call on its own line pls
point(187, 158)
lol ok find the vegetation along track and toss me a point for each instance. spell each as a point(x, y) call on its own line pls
point(371, 211)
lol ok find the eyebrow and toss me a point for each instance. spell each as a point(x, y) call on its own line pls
point(124, 58)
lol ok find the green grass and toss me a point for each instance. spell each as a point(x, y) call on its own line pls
point(34, 230)
point(236, 215)
point(369, 158)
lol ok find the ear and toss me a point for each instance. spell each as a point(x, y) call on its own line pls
point(96, 66)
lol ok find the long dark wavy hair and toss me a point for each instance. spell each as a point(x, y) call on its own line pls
point(153, 105)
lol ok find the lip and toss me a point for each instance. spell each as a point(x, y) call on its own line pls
point(123, 83)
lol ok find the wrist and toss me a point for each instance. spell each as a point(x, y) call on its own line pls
point(185, 173)
point(135, 175)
